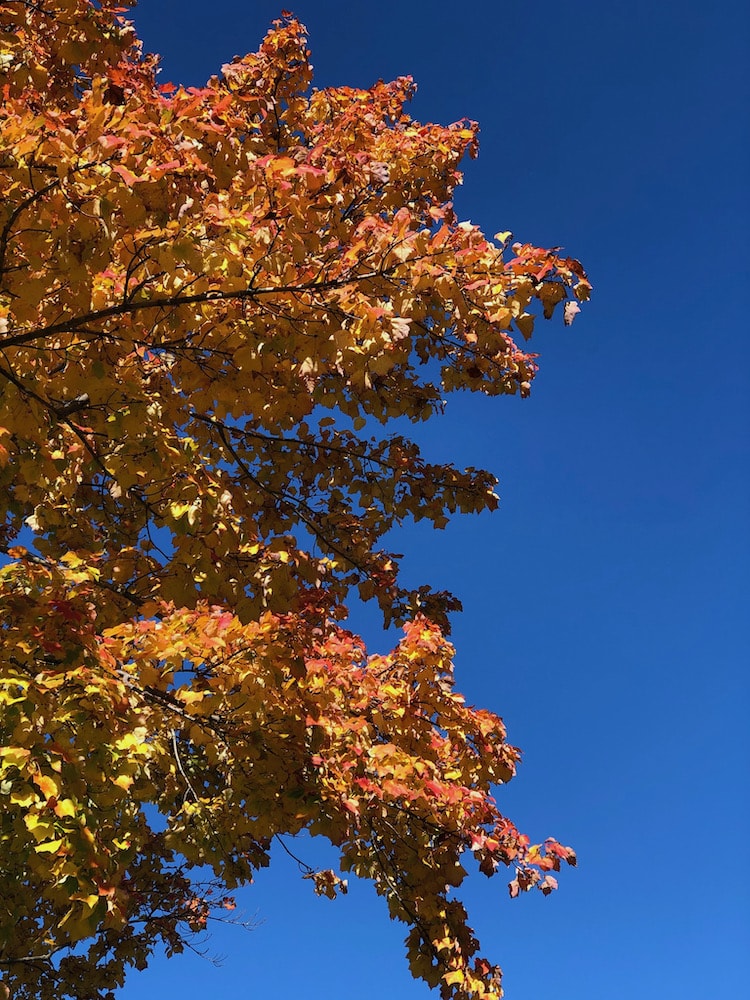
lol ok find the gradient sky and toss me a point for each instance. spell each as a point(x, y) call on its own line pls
point(606, 612)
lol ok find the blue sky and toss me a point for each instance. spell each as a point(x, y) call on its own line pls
point(606, 612)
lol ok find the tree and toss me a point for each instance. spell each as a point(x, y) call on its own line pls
point(214, 304)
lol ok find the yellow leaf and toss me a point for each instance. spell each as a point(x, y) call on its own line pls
point(454, 978)
point(65, 807)
point(71, 559)
point(46, 785)
point(50, 846)
point(14, 756)
point(23, 797)
point(89, 901)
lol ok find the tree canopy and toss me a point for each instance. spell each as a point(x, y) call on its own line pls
point(219, 309)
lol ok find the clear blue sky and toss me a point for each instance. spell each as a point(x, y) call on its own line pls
point(606, 611)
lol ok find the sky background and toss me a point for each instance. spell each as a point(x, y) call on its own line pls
point(606, 612)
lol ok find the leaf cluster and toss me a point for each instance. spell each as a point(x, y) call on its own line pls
point(219, 308)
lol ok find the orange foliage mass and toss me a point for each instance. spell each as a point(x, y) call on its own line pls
point(213, 303)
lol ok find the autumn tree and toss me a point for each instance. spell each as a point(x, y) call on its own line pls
point(214, 303)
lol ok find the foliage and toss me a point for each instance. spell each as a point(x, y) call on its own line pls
point(210, 301)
